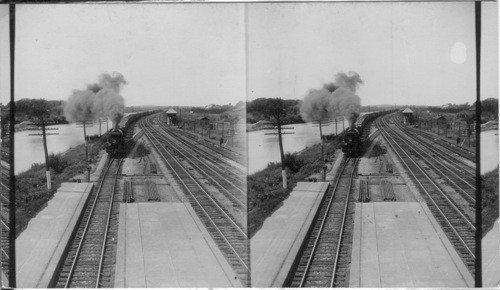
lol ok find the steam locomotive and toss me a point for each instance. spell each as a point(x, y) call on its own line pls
point(117, 141)
point(352, 143)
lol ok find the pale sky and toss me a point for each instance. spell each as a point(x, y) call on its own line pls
point(4, 54)
point(402, 51)
point(197, 54)
point(170, 54)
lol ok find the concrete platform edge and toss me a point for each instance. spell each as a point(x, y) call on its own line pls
point(292, 258)
point(57, 260)
point(466, 275)
point(228, 270)
point(120, 249)
point(354, 272)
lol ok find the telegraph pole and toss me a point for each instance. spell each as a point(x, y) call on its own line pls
point(42, 126)
point(278, 125)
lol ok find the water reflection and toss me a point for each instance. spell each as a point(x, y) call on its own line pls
point(29, 149)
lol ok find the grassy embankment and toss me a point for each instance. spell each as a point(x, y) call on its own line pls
point(265, 188)
point(32, 194)
point(490, 200)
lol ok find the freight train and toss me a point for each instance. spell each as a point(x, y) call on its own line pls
point(116, 141)
point(352, 142)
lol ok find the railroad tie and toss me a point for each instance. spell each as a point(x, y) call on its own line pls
point(153, 168)
point(388, 168)
point(388, 190)
point(128, 193)
point(364, 195)
point(152, 191)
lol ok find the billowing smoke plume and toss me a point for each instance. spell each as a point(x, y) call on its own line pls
point(101, 99)
point(335, 99)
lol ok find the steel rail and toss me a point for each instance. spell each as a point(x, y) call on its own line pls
point(445, 153)
point(201, 170)
point(325, 218)
point(406, 140)
point(224, 150)
point(101, 259)
point(87, 224)
point(235, 225)
point(385, 134)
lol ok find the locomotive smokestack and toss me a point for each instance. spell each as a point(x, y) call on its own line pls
point(352, 116)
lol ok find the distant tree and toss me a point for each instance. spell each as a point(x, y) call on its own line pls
point(276, 111)
point(490, 107)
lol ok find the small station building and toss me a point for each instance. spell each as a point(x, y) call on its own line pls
point(171, 117)
point(407, 116)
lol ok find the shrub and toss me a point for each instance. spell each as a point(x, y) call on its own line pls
point(57, 163)
point(293, 162)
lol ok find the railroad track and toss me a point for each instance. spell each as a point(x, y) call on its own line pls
point(5, 230)
point(324, 259)
point(211, 152)
point(457, 227)
point(85, 263)
point(230, 237)
point(4, 240)
point(445, 150)
point(433, 139)
point(229, 182)
point(440, 162)
point(224, 151)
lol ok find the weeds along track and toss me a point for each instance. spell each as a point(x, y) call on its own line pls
point(230, 236)
point(324, 259)
point(224, 151)
point(86, 263)
point(227, 179)
point(457, 227)
point(441, 161)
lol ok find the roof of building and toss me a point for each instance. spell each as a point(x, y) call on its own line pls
point(171, 111)
point(439, 118)
point(407, 110)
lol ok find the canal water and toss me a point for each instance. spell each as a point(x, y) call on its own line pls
point(263, 148)
point(29, 149)
point(489, 150)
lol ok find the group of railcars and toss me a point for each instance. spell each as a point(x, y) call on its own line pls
point(352, 141)
point(116, 139)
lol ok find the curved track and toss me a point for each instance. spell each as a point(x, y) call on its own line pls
point(83, 263)
point(229, 235)
point(224, 151)
point(432, 140)
point(457, 227)
point(227, 179)
point(321, 263)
